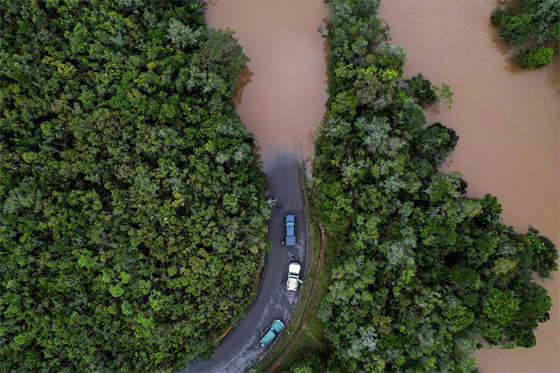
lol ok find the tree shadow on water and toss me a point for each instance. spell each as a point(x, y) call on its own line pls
point(507, 50)
point(243, 80)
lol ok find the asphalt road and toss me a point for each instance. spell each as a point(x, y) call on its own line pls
point(240, 350)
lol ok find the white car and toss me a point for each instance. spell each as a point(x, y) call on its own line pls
point(293, 276)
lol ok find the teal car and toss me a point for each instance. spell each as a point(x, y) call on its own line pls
point(272, 332)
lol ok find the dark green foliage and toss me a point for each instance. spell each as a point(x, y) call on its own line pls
point(307, 363)
point(421, 89)
point(302, 368)
point(537, 23)
point(426, 93)
point(435, 144)
point(131, 201)
point(424, 271)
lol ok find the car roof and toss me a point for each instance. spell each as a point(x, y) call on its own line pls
point(294, 267)
point(269, 336)
point(275, 328)
point(277, 325)
point(290, 231)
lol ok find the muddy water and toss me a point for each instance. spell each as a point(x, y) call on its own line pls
point(507, 119)
point(285, 90)
point(508, 123)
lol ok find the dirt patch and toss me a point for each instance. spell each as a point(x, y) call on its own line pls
point(257, 277)
point(224, 335)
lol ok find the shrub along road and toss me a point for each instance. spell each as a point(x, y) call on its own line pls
point(240, 350)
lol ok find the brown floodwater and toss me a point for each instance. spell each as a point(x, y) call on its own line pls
point(508, 123)
point(507, 119)
point(284, 91)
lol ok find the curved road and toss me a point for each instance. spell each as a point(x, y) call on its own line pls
point(273, 301)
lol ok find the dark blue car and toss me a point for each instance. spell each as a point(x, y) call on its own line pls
point(290, 226)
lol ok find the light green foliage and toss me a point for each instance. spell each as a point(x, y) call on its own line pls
point(534, 57)
point(425, 271)
point(375, 133)
point(183, 35)
point(536, 23)
point(500, 306)
point(445, 96)
point(116, 291)
point(131, 200)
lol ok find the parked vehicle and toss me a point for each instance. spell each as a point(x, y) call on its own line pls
point(271, 332)
point(293, 276)
point(290, 228)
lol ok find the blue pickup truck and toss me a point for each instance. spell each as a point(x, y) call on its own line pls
point(273, 330)
point(290, 228)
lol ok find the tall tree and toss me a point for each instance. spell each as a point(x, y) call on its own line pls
point(425, 272)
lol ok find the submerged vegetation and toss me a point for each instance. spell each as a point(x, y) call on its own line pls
point(424, 272)
point(534, 24)
point(132, 214)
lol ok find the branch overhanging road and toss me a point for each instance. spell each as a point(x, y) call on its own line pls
point(240, 350)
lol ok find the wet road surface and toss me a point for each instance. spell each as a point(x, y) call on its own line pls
point(240, 350)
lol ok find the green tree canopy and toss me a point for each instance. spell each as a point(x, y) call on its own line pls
point(535, 23)
point(424, 272)
point(131, 198)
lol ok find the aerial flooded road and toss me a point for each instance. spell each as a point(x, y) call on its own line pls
point(508, 124)
point(286, 94)
point(240, 350)
point(507, 118)
point(281, 98)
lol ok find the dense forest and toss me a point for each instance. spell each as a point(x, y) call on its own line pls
point(534, 24)
point(425, 273)
point(132, 209)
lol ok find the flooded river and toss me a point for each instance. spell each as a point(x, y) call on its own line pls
point(286, 91)
point(507, 119)
point(508, 123)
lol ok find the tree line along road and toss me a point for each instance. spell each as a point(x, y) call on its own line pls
point(240, 350)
